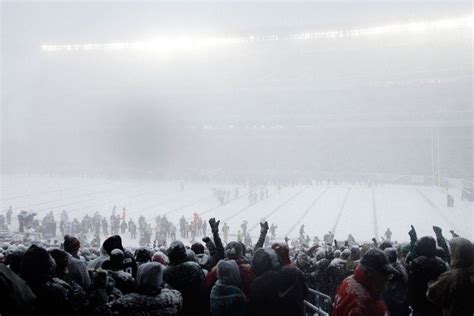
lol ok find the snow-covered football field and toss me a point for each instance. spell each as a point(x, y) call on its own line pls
point(358, 209)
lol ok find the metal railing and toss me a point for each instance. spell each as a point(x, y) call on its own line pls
point(318, 304)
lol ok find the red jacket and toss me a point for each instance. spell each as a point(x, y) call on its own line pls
point(246, 277)
point(356, 297)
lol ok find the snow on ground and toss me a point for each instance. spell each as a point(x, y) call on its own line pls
point(361, 210)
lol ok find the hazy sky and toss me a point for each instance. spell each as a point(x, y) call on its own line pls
point(98, 107)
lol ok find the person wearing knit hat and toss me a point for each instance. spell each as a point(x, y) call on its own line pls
point(283, 252)
point(71, 245)
point(77, 268)
point(160, 257)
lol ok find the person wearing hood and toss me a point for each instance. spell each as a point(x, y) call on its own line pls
point(276, 290)
point(234, 251)
point(52, 297)
point(111, 243)
point(425, 268)
point(453, 292)
point(129, 263)
point(186, 277)
point(151, 298)
point(396, 294)
point(226, 297)
point(360, 293)
point(143, 255)
point(77, 268)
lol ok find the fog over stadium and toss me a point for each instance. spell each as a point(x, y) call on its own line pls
point(92, 86)
point(236, 158)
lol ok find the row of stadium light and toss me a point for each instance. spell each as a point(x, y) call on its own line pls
point(183, 43)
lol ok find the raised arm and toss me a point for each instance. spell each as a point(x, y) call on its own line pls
point(217, 239)
point(263, 234)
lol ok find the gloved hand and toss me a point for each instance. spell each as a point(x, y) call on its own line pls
point(437, 230)
point(412, 233)
point(264, 227)
point(214, 225)
point(206, 239)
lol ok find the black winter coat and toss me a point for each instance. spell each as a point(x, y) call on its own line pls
point(278, 293)
point(421, 271)
point(396, 296)
point(187, 278)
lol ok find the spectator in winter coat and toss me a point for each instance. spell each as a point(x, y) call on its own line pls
point(336, 272)
point(354, 258)
point(396, 294)
point(276, 290)
point(360, 293)
point(77, 268)
point(425, 268)
point(160, 257)
point(320, 276)
point(283, 252)
point(123, 280)
point(77, 296)
point(97, 262)
point(186, 277)
point(14, 259)
point(16, 296)
point(129, 263)
point(102, 291)
point(234, 251)
point(454, 289)
point(37, 269)
point(151, 298)
point(202, 258)
point(226, 297)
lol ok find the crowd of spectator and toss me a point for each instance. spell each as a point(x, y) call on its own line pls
point(428, 276)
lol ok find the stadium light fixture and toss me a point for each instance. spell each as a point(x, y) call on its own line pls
point(189, 43)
